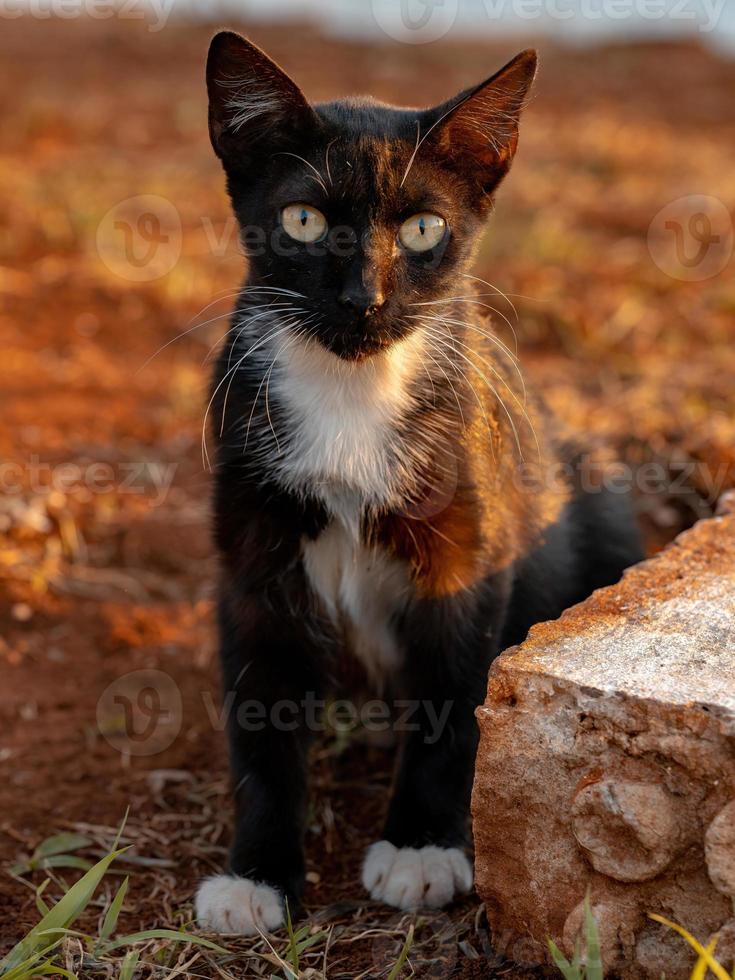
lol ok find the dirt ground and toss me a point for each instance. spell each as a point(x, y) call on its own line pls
point(105, 564)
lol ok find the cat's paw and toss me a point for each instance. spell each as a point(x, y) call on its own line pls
point(409, 877)
point(238, 906)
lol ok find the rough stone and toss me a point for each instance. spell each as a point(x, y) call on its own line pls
point(607, 763)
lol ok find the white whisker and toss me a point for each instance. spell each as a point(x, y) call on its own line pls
point(471, 300)
point(326, 160)
point(488, 336)
point(449, 338)
point(433, 126)
point(318, 178)
point(258, 343)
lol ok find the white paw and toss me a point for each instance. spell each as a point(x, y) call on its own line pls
point(238, 906)
point(410, 878)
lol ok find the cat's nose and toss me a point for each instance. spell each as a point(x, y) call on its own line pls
point(361, 301)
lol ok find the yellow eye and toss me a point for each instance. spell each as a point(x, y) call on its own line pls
point(303, 222)
point(422, 232)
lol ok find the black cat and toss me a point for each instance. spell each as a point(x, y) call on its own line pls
point(386, 493)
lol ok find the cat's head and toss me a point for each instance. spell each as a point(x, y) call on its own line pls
point(358, 208)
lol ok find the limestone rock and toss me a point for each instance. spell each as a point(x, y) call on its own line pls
point(607, 762)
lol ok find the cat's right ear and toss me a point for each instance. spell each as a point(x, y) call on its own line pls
point(252, 101)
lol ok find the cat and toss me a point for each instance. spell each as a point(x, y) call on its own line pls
point(387, 494)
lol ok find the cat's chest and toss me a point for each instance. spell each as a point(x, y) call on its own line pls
point(347, 441)
point(363, 591)
point(344, 424)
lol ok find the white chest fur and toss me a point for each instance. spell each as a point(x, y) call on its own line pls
point(342, 424)
point(362, 590)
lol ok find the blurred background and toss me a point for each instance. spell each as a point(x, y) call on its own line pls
point(612, 240)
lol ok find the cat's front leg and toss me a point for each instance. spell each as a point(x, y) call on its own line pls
point(421, 860)
point(269, 670)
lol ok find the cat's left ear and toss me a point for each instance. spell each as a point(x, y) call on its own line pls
point(478, 130)
point(253, 104)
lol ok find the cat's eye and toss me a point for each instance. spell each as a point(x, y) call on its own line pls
point(422, 232)
point(303, 222)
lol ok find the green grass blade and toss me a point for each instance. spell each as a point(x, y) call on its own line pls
point(27, 967)
point(65, 861)
point(113, 913)
point(594, 954)
point(51, 968)
point(59, 931)
point(118, 836)
point(570, 971)
point(42, 907)
point(172, 934)
point(128, 965)
point(62, 915)
point(301, 933)
point(308, 941)
point(577, 958)
point(403, 956)
point(293, 951)
point(61, 844)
